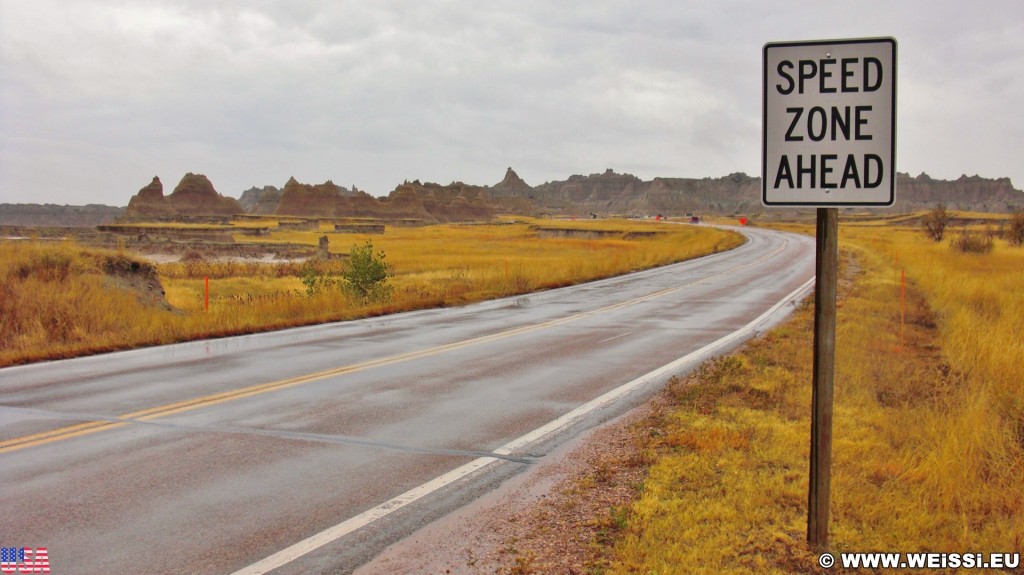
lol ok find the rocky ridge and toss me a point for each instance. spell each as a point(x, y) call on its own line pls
point(411, 201)
point(604, 194)
point(53, 215)
point(967, 193)
point(612, 193)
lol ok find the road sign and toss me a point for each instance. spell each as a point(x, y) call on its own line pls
point(828, 140)
point(829, 125)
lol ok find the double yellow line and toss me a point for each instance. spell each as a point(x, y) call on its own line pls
point(91, 427)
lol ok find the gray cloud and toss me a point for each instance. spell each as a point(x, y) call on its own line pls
point(98, 96)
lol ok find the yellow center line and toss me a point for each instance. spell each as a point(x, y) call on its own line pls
point(91, 427)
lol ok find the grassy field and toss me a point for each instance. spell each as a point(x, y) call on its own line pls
point(58, 299)
point(928, 435)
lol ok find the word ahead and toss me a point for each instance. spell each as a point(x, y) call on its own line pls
point(829, 134)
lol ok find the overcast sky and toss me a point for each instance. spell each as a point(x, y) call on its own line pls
point(97, 97)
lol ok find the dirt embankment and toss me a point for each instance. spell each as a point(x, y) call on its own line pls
point(136, 276)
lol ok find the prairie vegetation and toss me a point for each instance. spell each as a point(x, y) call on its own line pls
point(58, 299)
point(1016, 233)
point(974, 242)
point(928, 448)
point(935, 222)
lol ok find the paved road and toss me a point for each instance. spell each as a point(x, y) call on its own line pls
point(209, 457)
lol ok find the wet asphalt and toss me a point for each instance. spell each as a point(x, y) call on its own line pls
point(208, 456)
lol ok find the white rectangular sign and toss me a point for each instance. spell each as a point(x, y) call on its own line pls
point(829, 125)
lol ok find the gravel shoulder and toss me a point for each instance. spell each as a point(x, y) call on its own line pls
point(560, 516)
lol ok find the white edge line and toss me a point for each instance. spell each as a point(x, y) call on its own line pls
point(342, 529)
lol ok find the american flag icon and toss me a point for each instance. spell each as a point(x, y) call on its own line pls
point(24, 560)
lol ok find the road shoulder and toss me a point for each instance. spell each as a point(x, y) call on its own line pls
point(559, 516)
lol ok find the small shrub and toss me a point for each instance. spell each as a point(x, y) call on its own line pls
point(316, 280)
point(366, 275)
point(935, 222)
point(1016, 233)
point(972, 243)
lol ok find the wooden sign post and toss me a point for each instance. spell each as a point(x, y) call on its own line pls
point(826, 272)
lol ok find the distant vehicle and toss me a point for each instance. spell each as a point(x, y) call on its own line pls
point(694, 220)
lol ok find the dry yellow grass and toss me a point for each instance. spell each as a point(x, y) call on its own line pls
point(454, 264)
point(57, 301)
point(929, 442)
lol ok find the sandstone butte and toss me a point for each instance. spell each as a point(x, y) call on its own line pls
point(193, 196)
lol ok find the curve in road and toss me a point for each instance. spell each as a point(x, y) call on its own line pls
point(282, 451)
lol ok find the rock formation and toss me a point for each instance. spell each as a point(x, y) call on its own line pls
point(195, 196)
point(308, 200)
point(262, 201)
point(361, 205)
point(735, 193)
point(455, 202)
point(511, 195)
point(150, 202)
point(424, 203)
point(511, 185)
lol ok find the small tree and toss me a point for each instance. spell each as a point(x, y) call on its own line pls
point(935, 222)
point(316, 280)
point(1016, 236)
point(366, 275)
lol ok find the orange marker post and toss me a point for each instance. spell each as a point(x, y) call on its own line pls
point(206, 293)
